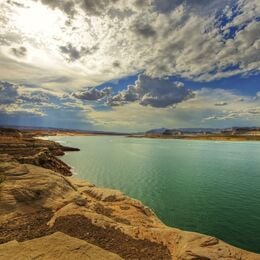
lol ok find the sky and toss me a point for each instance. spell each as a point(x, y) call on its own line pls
point(130, 65)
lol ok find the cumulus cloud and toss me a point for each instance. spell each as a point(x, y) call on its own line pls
point(35, 97)
point(199, 40)
point(13, 93)
point(21, 100)
point(93, 93)
point(199, 111)
point(146, 91)
point(16, 110)
point(152, 92)
point(110, 39)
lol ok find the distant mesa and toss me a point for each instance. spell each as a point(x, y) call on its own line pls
point(225, 134)
point(183, 131)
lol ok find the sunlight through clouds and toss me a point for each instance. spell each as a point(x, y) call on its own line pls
point(77, 46)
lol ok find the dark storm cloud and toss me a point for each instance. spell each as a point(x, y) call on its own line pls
point(19, 52)
point(93, 94)
point(153, 92)
point(74, 54)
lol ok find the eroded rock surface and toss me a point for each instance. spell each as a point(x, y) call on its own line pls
point(37, 202)
point(34, 151)
point(46, 215)
point(55, 246)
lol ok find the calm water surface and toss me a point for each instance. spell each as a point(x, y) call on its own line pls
point(204, 186)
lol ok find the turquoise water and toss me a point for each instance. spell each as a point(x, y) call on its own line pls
point(204, 186)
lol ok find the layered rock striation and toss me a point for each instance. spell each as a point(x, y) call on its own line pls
point(47, 215)
point(34, 151)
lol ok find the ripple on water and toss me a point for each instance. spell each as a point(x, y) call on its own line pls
point(204, 186)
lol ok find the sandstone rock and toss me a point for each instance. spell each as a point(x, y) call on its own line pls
point(35, 151)
point(80, 201)
point(55, 246)
point(47, 160)
point(34, 187)
point(104, 194)
point(36, 202)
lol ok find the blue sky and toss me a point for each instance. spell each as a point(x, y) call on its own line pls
point(130, 65)
point(247, 85)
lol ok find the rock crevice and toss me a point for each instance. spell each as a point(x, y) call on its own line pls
point(46, 214)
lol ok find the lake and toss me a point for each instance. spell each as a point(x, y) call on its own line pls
point(203, 186)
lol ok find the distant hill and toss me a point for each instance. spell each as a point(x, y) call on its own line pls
point(183, 130)
point(14, 127)
point(156, 131)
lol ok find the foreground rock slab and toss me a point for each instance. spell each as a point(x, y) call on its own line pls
point(55, 246)
point(36, 202)
point(45, 214)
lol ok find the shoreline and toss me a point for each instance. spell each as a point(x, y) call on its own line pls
point(224, 138)
point(194, 136)
point(115, 222)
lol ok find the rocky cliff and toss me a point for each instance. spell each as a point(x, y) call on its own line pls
point(47, 215)
point(34, 151)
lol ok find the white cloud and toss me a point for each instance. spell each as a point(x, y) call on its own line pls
point(105, 40)
point(152, 92)
point(93, 93)
point(199, 111)
point(74, 45)
point(18, 110)
point(21, 100)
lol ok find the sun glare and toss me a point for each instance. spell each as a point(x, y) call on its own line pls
point(38, 20)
